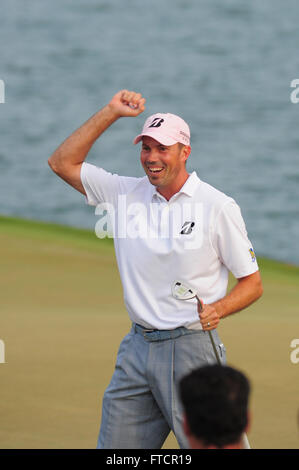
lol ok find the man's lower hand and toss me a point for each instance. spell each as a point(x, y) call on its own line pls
point(209, 317)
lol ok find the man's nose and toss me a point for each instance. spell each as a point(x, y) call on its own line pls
point(153, 156)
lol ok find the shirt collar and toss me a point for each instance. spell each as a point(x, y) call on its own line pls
point(188, 188)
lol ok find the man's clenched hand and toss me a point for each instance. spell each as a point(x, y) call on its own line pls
point(127, 104)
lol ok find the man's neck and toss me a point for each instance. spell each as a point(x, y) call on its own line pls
point(197, 444)
point(168, 192)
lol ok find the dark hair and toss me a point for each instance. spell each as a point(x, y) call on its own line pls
point(215, 399)
point(181, 145)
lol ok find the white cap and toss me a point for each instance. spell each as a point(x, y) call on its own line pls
point(168, 129)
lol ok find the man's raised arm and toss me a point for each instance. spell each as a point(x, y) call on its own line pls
point(67, 159)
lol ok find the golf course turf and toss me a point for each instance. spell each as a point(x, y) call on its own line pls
point(63, 317)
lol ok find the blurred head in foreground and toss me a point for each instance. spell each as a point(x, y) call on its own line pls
point(215, 400)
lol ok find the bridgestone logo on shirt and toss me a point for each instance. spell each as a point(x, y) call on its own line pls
point(187, 228)
point(151, 221)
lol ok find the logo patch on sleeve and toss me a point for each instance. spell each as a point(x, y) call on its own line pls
point(252, 254)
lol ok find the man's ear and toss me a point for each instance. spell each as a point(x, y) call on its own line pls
point(249, 418)
point(186, 152)
point(186, 426)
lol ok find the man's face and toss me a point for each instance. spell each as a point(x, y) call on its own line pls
point(164, 165)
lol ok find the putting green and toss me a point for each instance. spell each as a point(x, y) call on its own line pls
point(61, 329)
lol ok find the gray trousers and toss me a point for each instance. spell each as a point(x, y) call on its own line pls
point(141, 404)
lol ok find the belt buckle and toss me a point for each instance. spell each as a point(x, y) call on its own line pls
point(146, 330)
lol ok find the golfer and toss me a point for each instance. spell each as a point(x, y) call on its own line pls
point(167, 225)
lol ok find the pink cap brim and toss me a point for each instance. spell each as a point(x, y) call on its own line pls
point(158, 137)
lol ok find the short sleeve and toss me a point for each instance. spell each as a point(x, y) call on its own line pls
point(231, 242)
point(102, 186)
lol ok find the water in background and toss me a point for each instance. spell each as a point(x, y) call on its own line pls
point(225, 67)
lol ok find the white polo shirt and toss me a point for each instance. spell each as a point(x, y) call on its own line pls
point(198, 236)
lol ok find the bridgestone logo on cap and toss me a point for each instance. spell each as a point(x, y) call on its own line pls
point(156, 122)
point(167, 128)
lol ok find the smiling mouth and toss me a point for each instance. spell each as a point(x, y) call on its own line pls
point(155, 170)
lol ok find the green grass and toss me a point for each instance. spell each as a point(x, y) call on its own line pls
point(47, 231)
point(62, 319)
